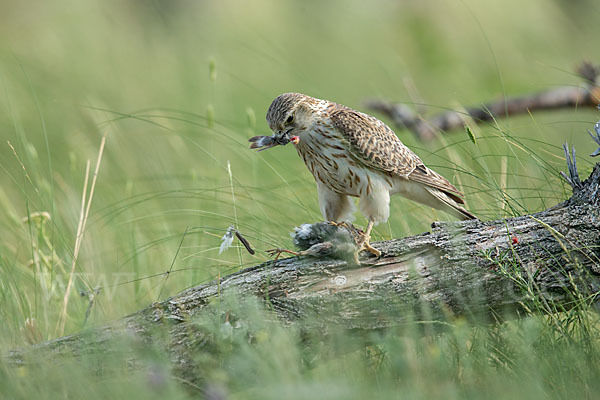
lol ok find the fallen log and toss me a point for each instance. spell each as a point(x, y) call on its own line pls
point(477, 269)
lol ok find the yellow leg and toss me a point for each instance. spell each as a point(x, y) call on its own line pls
point(368, 231)
point(364, 244)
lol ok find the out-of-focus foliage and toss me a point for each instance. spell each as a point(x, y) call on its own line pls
point(179, 86)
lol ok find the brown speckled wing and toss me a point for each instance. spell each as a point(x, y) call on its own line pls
point(373, 143)
point(429, 177)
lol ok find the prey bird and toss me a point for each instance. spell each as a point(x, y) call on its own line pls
point(352, 154)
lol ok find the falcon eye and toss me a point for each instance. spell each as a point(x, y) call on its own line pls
point(289, 119)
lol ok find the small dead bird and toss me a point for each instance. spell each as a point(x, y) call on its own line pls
point(262, 142)
point(324, 240)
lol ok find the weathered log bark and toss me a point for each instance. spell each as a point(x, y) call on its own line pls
point(561, 97)
point(470, 268)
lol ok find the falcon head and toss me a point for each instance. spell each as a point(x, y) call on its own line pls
point(291, 114)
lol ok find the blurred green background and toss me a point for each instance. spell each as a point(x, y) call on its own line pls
point(179, 86)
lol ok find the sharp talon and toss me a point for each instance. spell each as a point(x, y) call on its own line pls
point(372, 250)
point(363, 242)
point(366, 247)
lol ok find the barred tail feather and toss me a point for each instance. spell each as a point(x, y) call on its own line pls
point(448, 205)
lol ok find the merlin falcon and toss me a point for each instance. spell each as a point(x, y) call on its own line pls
point(352, 154)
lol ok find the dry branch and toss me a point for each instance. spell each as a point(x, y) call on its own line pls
point(561, 97)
